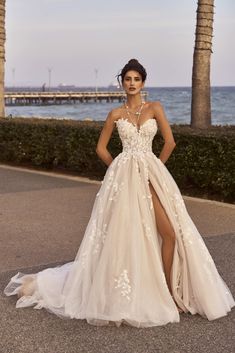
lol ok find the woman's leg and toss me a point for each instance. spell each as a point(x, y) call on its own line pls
point(167, 234)
point(168, 238)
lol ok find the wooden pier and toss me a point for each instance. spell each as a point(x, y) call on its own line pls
point(54, 98)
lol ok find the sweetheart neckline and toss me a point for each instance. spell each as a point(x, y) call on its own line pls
point(125, 119)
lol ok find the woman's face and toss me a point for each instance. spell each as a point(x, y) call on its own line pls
point(132, 82)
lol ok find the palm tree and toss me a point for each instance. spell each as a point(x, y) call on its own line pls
point(201, 97)
point(2, 56)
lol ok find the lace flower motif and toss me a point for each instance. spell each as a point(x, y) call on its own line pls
point(123, 283)
point(97, 237)
point(150, 198)
point(147, 230)
point(110, 177)
point(116, 189)
point(136, 141)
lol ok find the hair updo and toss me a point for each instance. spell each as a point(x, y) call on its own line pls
point(132, 64)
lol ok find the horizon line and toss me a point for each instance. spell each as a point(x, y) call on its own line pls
point(105, 86)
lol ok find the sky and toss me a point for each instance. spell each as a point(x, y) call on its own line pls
point(87, 42)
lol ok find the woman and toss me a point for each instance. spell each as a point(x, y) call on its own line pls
point(142, 261)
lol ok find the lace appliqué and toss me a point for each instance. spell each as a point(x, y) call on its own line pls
point(123, 283)
point(149, 198)
point(124, 157)
point(165, 187)
point(96, 237)
point(116, 188)
point(189, 236)
point(110, 177)
point(136, 141)
point(178, 201)
point(147, 230)
point(186, 235)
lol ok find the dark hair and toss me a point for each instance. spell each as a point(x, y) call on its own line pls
point(132, 64)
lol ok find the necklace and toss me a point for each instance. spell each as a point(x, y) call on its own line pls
point(137, 113)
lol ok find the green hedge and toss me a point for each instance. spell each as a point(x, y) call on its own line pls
point(202, 164)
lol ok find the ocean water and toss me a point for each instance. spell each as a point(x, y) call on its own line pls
point(176, 102)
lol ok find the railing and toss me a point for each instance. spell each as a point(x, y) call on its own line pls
point(43, 98)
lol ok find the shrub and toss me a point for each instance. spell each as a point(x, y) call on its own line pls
point(202, 163)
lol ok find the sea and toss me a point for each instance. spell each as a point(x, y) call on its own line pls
point(175, 100)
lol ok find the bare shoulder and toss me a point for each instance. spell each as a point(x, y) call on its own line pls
point(115, 114)
point(156, 106)
point(157, 109)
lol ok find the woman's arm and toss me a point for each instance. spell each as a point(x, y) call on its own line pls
point(166, 132)
point(105, 135)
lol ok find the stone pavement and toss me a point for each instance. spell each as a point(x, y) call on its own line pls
point(43, 217)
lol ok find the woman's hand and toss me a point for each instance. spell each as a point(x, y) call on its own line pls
point(105, 135)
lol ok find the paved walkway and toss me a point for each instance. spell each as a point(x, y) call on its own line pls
point(43, 217)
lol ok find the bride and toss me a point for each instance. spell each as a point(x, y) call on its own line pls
point(142, 261)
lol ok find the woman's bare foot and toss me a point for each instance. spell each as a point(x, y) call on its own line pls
point(180, 310)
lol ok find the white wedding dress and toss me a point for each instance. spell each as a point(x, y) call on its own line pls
point(117, 275)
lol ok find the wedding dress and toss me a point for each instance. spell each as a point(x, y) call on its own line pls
point(117, 275)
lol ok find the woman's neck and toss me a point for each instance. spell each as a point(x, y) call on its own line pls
point(134, 101)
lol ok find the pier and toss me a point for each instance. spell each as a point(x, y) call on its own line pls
point(54, 98)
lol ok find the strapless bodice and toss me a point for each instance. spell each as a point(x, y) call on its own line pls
point(136, 140)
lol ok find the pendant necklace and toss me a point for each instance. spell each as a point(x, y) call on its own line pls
point(136, 113)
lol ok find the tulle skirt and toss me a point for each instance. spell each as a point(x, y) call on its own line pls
point(117, 275)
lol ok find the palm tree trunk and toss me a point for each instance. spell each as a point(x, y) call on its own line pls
point(201, 95)
point(2, 56)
